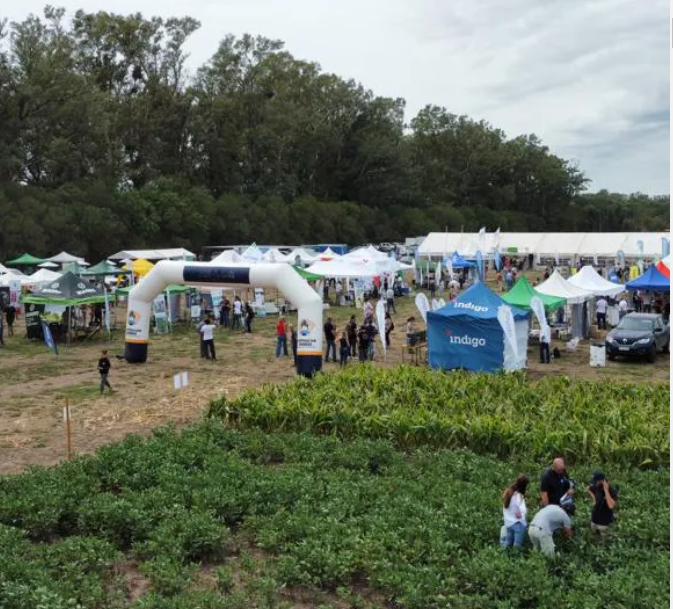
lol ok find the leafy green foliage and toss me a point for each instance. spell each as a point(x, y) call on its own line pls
point(105, 144)
point(503, 415)
point(416, 529)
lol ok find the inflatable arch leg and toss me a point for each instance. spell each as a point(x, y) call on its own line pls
point(202, 274)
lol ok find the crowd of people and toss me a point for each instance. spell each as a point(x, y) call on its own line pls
point(556, 508)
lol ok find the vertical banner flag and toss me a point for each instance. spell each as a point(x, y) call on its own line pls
point(496, 239)
point(482, 237)
point(595, 259)
point(106, 320)
point(438, 274)
point(538, 309)
point(665, 247)
point(435, 304)
point(423, 305)
point(381, 321)
point(480, 266)
point(497, 261)
point(48, 338)
point(556, 258)
point(449, 267)
point(641, 247)
point(506, 321)
point(621, 257)
point(14, 293)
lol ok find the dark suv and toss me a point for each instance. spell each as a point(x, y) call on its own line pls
point(638, 334)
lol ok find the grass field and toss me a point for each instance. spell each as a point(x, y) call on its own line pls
point(34, 384)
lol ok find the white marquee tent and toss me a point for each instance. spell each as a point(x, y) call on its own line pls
point(344, 268)
point(588, 279)
point(543, 244)
point(177, 253)
point(227, 256)
point(558, 287)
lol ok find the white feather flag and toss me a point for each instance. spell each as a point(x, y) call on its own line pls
point(506, 320)
point(422, 305)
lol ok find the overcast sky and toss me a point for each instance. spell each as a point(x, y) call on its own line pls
point(590, 77)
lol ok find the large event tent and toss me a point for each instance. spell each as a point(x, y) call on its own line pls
point(566, 245)
point(522, 293)
point(466, 334)
point(226, 257)
point(343, 268)
point(43, 275)
point(558, 287)
point(588, 279)
point(176, 253)
point(65, 258)
point(66, 290)
point(651, 280)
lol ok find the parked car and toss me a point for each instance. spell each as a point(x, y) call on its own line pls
point(387, 247)
point(638, 334)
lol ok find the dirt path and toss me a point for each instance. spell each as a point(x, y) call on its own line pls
point(34, 385)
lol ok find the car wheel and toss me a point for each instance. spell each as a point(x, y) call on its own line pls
point(652, 355)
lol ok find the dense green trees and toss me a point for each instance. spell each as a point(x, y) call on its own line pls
point(105, 143)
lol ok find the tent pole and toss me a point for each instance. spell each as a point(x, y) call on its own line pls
point(67, 336)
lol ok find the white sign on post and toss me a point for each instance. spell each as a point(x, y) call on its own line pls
point(180, 380)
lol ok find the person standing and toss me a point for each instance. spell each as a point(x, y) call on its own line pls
point(555, 483)
point(208, 333)
point(545, 341)
point(293, 343)
point(623, 307)
point(545, 523)
point(368, 310)
point(604, 498)
point(330, 339)
point(249, 316)
point(390, 300)
point(514, 512)
point(238, 313)
point(352, 331)
point(372, 332)
point(601, 311)
point(225, 309)
point(10, 315)
point(344, 349)
point(363, 344)
point(202, 346)
point(281, 334)
point(104, 370)
point(390, 326)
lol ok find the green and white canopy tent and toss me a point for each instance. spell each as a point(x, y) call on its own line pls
point(67, 290)
point(25, 260)
point(103, 269)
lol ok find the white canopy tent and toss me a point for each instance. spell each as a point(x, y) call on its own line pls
point(178, 253)
point(226, 257)
point(344, 268)
point(544, 244)
point(65, 258)
point(366, 253)
point(43, 275)
point(558, 287)
point(274, 255)
point(304, 256)
point(5, 278)
point(329, 254)
point(48, 265)
point(588, 279)
point(252, 254)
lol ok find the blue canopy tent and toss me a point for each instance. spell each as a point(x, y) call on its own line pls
point(458, 262)
point(651, 280)
point(466, 334)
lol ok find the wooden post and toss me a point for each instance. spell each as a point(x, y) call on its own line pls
point(68, 428)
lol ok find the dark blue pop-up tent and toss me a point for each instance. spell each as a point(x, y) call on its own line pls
point(458, 262)
point(652, 279)
point(466, 334)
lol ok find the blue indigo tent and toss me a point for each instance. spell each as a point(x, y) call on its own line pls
point(458, 262)
point(466, 334)
point(652, 279)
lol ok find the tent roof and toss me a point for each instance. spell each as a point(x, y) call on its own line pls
point(343, 268)
point(103, 268)
point(48, 265)
point(651, 279)
point(68, 289)
point(175, 253)
point(477, 301)
point(273, 254)
point(366, 253)
point(458, 262)
point(557, 286)
point(304, 256)
point(588, 279)
point(252, 253)
point(64, 257)
point(26, 260)
point(544, 244)
point(43, 275)
point(522, 293)
point(226, 257)
point(328, 254)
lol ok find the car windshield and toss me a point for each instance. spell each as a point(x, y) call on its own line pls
point(634, 323)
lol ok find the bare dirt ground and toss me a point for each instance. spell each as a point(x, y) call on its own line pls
point(34, 383)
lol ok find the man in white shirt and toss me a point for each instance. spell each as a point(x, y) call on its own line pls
point(623, 307)
point(541, 530)
point(238, 313)
point(545, 341)
point(390, 300)
point(208, 333)
point(601, 310)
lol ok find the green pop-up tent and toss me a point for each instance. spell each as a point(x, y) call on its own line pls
point(25, 260)
point(522, 293)
point(67, 290)
point(103, 269)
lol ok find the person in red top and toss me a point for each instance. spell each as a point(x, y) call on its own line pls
point(281, 333)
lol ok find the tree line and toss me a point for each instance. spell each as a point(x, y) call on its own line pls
point(106, 143)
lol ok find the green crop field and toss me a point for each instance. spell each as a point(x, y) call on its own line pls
point(230, 515)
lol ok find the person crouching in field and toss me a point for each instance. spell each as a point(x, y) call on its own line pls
point(104, 369)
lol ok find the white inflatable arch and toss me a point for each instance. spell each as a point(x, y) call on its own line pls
point(201, 274)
